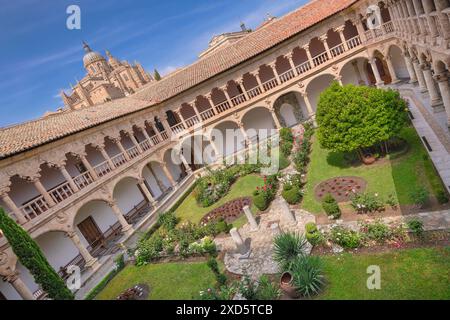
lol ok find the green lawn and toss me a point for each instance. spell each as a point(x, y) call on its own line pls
point(167, 281)
point(405, 274)
point(189, 210)
point(397, 176)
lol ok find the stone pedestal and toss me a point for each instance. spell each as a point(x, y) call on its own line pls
point(287, 213)
point(238, 241)
point(250, 218)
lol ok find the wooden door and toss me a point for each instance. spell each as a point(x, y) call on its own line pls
point(91, 232)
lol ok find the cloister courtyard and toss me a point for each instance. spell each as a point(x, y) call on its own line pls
point(413, 267)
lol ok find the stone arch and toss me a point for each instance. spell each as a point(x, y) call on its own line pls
point(227, 137)
point(289, 110)
point(396, 55)
point(382, 67)
point(128, 194)
point(155, 178)
point(258, 123)
point(316, 86)
point(354, 71)
point(172, 160)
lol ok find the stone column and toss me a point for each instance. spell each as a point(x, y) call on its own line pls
point(412, 17)
point(442, 80)
point(21, 288)
point(126, 227)
point(161, 185)
point(410, 67)
point(146, 192)
point(432, 90)
point(106, 156)
point(240, 83)
point(258, 79)
point(156, 130)
point(420, 77)
point(186, 164)
point(88, 166)
point(193, 106)
point(340, 30)
point(275, 118)
point(419, 11)
point(338, 78)
point(391, 70)
point(238, 241)
point(274, 70)
point(286, 211)
point(211, 103)
point(308, 54)
point(376, 73)
point(324, 38)
point(357, 72)
point(227, 96)
point(360, 29)
point(180, 116)
point(12, 206)
point(443, 18)
point(135, 142)
point(91, 262)
point(119, 144)
point(169, 174)
point(308, 104)
point(291, 62)
point(166, 126)
point(41, 189)
point(250, 218)
point(145, 133)
point(428, 7)
point(68, 178)
point(244, 133)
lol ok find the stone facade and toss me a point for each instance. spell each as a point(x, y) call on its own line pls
point(105, 80)
point(107, 172)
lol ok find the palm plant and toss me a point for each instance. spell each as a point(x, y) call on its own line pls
point(287, 247)
point(307, 275)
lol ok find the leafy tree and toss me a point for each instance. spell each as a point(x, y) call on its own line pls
point(31, 256)
point(156, 75)
point(354, 117)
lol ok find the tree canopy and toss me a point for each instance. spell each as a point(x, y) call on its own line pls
point(156, 75)
point(32, 258)
point(353, 117)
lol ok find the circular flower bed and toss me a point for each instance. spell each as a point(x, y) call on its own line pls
point(341, 188)
point(229, 212)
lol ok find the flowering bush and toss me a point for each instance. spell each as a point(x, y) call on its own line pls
point(263, 196)
point(224, 293)
point(286, 141)
point(213, 186)
point(292, 191)
point(346, 238)
point(366, 203)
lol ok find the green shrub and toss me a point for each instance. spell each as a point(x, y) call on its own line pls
point(167, 220)
point(416, 227)
point(263, 196)
point(331, 207)
point(288, 246)
point(212, 187)
point(248, 288)
point(313, 235)
point(292, 194)
point(260, 201)
point(419, 196)
point(308, 278)
point(346, 238)
point(283, 162)
point(286, 141)
point(442, 197)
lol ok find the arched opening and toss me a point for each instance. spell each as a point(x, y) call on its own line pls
point(251, 85)
point(289, 110)
point(27, 198)
point(315, 88)
point(188, 113)
point(398, 62)
point(228, 138)
point(267, 77)
point(97, 227)
point(204, 108)
point(355, 72)
point(130, 199)
point(198, 152)
point(155, 180)
point(174, 164)
point(258, 124)
point(334, 43)
point(54, 182)
point(318, 52)
point(381, 67)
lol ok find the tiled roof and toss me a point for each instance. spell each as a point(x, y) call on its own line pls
point(27, 135)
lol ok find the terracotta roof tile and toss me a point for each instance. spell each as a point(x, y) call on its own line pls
point(27, 135)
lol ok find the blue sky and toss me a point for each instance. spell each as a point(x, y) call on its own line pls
point(39, 56)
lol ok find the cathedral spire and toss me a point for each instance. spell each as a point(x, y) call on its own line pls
point(113, 62)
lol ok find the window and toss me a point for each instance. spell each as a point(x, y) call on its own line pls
point(92, 69)
point(125, 77)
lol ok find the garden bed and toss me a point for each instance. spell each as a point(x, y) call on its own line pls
point(229, 212)
point(341, 188)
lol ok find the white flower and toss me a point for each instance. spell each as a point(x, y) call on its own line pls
point(376, 194)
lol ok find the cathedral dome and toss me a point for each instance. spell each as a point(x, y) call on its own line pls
point(90, 56)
